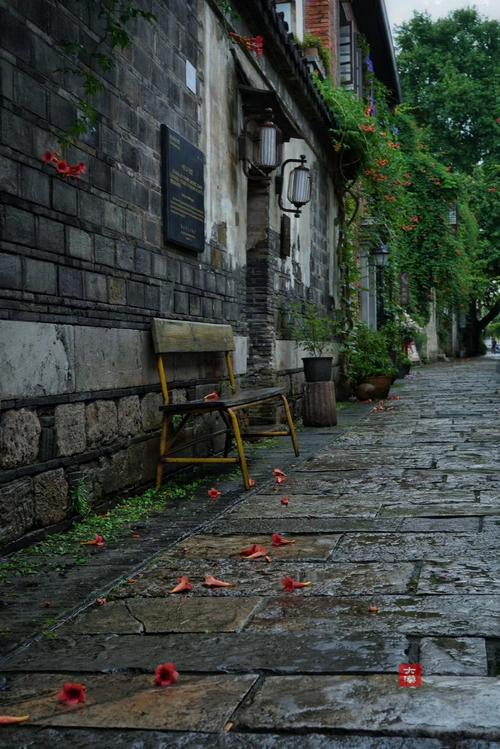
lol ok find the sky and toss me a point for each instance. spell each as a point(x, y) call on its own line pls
point(402, 10)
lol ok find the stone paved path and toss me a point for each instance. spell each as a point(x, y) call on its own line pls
point(401, 513)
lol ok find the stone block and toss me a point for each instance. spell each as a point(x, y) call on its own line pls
point(62, 112)
point(96, 287)
point(91, 208)
point(19, 438)
point(40, 277)
point(125, 256)
point(114, 216)
point(18, 226)
point(150, 409)
point(159, 266)
point(79, 243)
point(64, 197)
point(44, 348)
point(70, 282)
point(70, 428)
point(135, 294)
point(16, 130)
point(152, 298)
point(10, 272)
point(134, 224)
point(50, 235)
point(51, 497)
point(35, 185)
point(104, 251)
point(102, 424)
point(129, 415)
point(181, 302)
point(143, 261)
point(105, 357)
point(17, 509)
point(9, 175)
point(116, 291)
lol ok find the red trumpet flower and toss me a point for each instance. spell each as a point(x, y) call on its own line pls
point(165, 675)
point(284, 501)
point(255, 551)
point(289, 584)
point(97, 541)
point(213, 582)
point(278, 540)
point(214, 494)
point(9, 720)
point(183, 584)
point(72, 694)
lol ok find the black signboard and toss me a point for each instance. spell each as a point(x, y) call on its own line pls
point(183, 192)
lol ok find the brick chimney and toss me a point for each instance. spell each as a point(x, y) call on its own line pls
point(321, 20)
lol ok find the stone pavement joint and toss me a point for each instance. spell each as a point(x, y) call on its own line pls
point(395, 524)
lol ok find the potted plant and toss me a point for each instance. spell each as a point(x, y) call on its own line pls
point(314, 333)
point(370, 361)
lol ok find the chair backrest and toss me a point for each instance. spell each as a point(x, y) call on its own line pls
point(177, 336)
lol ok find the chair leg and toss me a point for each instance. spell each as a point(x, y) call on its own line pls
point(163, 449)
point(227, 444)
point(240, 447)
point(291, 427)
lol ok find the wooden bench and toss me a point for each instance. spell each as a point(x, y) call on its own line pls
point(173, 336)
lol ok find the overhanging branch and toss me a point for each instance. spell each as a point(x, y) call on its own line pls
point(490, 316)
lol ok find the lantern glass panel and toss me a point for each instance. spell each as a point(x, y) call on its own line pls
point(299, 186)
point(267, 147)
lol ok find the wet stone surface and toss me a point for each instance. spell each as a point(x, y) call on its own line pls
point(396, 520)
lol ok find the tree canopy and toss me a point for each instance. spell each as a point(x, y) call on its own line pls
point(450, 75)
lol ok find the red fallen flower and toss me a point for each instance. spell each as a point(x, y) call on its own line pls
point(182, 585)
point(284, 501)
point(97, 541)
point(251, 482)
point(101, 601)
point(256, 551)
point(278, 540)
point(367, 128)
point(165, 675)
point(383, 162)
point(72, 694)
point(213, 396)
point(280, 479)
point(289, 584)
point(278, 472)
point(136, 536)
point(9, 720)
point(373, 609)
point(213, 582)
point(214, 494)
point(414, 219)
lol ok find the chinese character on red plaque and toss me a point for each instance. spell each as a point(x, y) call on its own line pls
point(410, 675)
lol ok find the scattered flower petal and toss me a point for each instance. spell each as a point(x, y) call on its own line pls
point(213, 396)
point(254, 549)
point(72, 693)
point(9, 720)
point(284, 501)
point(278, 540)
point(228, 727)
point(101, 601)
point(136, 536)
point(213, 582)
point(97, 541)
point(214, 494)
point(373, 609)
point(278, 472)
point(289, 584)
point(183, 584)
point(251, 482)
point(165, 675)
point(280, 479)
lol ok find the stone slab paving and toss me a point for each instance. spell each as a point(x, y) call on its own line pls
point(395, 524)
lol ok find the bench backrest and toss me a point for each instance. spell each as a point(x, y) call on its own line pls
point(176, 336)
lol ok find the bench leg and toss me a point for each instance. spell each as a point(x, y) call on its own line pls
point(163, 450)
point(240, 447)
point(291, 427)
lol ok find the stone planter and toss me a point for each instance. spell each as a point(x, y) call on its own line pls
point(318, 368)
point(382, 385)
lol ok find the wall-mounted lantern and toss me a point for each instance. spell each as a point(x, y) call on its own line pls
point(381, 255)
point(260, 145)
point(299, 186)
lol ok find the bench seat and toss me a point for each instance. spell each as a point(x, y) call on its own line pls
point(240, 399)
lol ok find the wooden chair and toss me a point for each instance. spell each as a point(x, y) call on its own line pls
point(173, 336)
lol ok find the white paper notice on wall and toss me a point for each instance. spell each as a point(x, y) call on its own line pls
point(190, 77)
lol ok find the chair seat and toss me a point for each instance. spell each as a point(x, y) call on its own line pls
point(244, 396)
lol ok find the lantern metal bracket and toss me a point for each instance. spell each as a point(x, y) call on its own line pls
point(280, 181)
point(250, 169)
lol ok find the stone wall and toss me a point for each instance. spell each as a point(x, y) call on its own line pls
point(83, 264)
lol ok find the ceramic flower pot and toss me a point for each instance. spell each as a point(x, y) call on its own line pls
point(382, 385)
